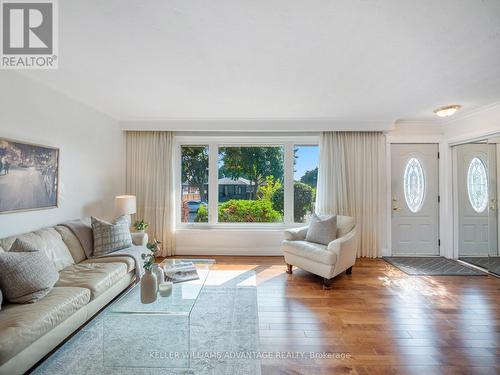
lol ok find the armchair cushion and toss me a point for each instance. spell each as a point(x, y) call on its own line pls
point(310, 250)
point(322, 230)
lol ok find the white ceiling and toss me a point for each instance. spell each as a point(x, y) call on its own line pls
point(353, 60)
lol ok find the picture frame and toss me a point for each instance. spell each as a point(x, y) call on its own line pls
point(29, 176)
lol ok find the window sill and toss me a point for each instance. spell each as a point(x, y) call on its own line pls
point(238, 227)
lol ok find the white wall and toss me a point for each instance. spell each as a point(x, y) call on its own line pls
point(91, 151)
point(229, 241)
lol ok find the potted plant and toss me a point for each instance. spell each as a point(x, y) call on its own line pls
point(149, 282)
point(141, 226)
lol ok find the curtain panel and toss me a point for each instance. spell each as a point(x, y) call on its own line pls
point(150, 177)
point(352, 181)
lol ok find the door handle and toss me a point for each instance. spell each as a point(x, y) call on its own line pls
point(395, 206)
point(493, 204)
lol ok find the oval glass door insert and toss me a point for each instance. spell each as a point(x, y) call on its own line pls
point(477, 185)
point(414, 184)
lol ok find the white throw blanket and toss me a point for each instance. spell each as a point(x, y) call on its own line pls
point(135, 253)
point(83, 231)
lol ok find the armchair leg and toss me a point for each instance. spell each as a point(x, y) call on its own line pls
point(348, 271)
point(327, 283)
point(289, 268)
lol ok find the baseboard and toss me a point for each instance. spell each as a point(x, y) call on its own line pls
point(230, 251)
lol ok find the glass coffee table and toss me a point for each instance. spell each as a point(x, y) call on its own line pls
point(156, 334)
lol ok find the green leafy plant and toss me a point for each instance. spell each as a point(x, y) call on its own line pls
point(141, 225)
point(201, 214)
point(310, 178)
point(149, 258)
point(248, 211)
point(303, 197)
point(267, 190)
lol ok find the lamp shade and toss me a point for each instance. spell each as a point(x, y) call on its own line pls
point(125, 204)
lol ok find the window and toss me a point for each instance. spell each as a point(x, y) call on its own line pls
point(477, 185)
point(305, 179)
point(414, 184)
point(194, 194)
point(259, 181)
point(250, 181)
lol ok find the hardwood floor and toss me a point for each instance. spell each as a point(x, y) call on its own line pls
point(377, 320)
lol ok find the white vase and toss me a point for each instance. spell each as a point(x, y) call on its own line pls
point(160, 277)
point(149, 287)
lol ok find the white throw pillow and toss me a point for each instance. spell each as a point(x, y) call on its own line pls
point(322, 230)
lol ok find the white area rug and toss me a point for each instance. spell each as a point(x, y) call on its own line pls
point(224, 328)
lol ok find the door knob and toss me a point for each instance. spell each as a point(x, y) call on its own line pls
point(395, 206)
point(493, 204)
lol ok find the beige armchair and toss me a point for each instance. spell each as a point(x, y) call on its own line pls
point(326, 261)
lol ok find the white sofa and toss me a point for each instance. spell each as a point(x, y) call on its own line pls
point(326, 261)
point(30, 331)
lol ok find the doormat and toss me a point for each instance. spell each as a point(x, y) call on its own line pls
point(432, 266)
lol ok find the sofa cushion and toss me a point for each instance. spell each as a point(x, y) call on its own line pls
point(72, 242)
point(310, 250)
point(26, 276)
point(109, 237)
point(21, 325)
point(129, 261)
point(344, 225)
point(322, 230)
point(47, 240)
point(97, 277)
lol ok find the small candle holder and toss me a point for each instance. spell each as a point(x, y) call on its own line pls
point(165, 288)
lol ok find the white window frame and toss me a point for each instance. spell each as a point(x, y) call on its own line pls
point(213, 143)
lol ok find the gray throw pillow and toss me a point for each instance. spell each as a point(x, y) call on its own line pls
point(20, 245)
point(1, 299)
point(109, 237)
point(322, 230)
point(26, 277)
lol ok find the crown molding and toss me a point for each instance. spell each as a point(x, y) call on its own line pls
point(464, 114)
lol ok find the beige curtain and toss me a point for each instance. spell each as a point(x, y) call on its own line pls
point(351, 181)
point(150, 177)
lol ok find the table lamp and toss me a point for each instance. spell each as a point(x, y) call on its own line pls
point(126, 205)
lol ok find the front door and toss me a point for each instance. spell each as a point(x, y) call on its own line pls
point(476, 185)
point(415, 199)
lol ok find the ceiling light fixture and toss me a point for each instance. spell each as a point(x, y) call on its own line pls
point(447, 111)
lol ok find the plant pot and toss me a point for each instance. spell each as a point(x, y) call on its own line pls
point(149, 287)
point(141, 230)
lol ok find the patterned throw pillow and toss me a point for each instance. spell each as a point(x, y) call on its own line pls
point(26, 277)
point(322, 230)
point(109, 237)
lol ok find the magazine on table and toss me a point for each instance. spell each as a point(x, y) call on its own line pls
point(180, 271)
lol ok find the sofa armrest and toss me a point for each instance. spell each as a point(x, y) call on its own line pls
point(296, 234)
point(346, 249)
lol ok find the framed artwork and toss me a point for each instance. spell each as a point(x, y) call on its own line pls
point(29, 176)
